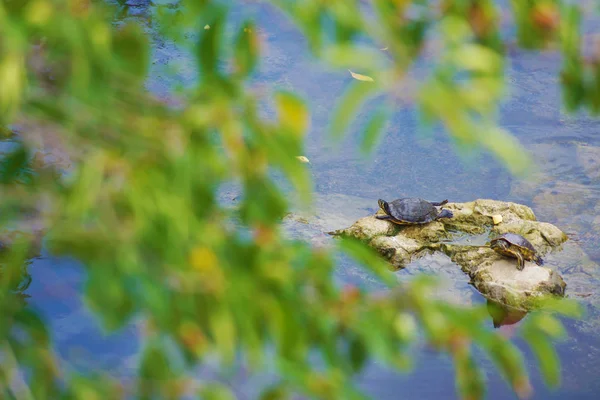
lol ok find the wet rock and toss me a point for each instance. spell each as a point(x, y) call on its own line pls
point(493, 275)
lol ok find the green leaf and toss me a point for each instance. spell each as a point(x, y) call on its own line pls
point(354, 57)
point(246, 49)
point(349, 106)
point(507, 148)
point(215, 391)
point(507, 358)
point(293, 113)
point(155, 369)
point(469, 380)
point(209, 45)
point(223, 330)
point(548, 324)
point(367, 257)
point(546, 356)
point(131, 46)
point(566, 307)
point(358, 354)
point(275, 392)
point(477, 58)
point(15, 165)
point(373, 131)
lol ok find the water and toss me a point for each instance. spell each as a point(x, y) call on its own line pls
point(565, 190)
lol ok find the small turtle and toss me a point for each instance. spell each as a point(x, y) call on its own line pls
point(411, 211)
point(513, 245)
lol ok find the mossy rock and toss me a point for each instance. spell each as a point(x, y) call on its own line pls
point(495, 276)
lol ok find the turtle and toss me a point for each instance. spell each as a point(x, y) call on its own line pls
point(412, 211)
point(514, 245)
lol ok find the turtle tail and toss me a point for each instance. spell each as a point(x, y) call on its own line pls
point(441, 203)
point(538, 260)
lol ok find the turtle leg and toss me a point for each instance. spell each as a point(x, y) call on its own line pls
point(441, 203)
point(520, 261)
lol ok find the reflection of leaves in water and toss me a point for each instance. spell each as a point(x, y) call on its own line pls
point(503, 315)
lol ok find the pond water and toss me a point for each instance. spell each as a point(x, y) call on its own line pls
point(564, 190)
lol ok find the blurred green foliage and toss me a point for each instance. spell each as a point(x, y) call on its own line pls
point(140, 208)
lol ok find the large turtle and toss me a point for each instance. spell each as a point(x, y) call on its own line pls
point(513, 245)
point(409, 211)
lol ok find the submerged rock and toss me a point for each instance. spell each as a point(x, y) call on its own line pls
point(495, 276)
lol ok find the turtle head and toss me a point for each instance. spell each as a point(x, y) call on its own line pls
point(499, 244)
point(384, 206)
point(445, 214)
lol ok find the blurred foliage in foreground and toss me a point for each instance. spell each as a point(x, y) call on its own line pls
point(140, 207)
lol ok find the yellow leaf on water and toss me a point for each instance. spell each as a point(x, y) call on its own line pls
point(384, 49)
point(206, 26)
point(303, 159)
point(361, 77)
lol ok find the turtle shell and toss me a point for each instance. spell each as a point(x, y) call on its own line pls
point(413, 211)
point(518, 243)
point(516, 246)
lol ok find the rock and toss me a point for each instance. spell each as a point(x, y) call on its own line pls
point(500, 281)
point(369, 228)
point(495, 276)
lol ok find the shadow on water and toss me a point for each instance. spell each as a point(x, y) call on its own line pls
point(564, 190)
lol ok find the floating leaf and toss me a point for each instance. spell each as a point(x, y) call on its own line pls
point(207, 27)
point(303, 159)
point(361, 77)
point(383, 49)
